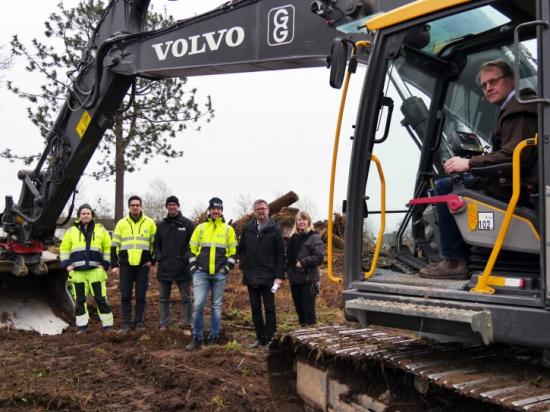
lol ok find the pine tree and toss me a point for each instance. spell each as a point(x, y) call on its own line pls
point(159, 114)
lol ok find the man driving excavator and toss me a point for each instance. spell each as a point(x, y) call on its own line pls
point(516, 122)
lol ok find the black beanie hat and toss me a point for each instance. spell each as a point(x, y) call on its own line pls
point(85, 206)
point(215, 202)
point(172, 199)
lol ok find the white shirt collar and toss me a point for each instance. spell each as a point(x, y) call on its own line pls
point(508, 98)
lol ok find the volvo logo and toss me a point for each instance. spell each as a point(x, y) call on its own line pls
point(200, 43)
point(280, 27)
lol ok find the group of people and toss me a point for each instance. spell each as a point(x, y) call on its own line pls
point(186, 254)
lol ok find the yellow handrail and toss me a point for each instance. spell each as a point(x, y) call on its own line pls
point(330, 274)
point(379, 240)
point(482, 281)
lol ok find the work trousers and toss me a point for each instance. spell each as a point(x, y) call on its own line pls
point(165, 289)
point(304, 296)
point(265, 327)
point(90, 281)
point(130, 276)
point(452, 244)
point(202, 284)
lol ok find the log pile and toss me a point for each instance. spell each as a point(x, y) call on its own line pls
point(275, 207)
point(280, 209)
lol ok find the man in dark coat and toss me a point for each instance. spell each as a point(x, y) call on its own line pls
point(516, 122)
point(261, 254)
point(172, 256)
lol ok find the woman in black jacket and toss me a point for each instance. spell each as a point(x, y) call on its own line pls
point(305, 252)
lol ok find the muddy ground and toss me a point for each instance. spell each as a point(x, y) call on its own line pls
point(148, 369)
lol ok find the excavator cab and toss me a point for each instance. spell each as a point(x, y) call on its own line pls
point(425, 60)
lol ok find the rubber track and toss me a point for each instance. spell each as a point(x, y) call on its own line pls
point(509, 377)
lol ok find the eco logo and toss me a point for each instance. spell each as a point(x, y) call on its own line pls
point(280, 27)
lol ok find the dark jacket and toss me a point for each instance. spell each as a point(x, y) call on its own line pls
point(309, 250)
point(516, 122)
point(261, 254)
point(172, 248)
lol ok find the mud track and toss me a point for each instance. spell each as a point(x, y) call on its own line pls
point(145, 370)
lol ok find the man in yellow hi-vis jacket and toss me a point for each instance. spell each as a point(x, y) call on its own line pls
point(132, 258)
point(85, 253)
point(213, 247)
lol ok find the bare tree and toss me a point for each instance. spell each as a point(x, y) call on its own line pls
point(243, 206)
point(307, 204)
point(198, 211)
point(5, 60)
point(154, 201)
point(103, 208)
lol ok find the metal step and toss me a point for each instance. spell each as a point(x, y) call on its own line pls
point(479, 321)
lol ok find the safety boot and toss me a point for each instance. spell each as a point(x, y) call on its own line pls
point(446, 270)
point(193, 345)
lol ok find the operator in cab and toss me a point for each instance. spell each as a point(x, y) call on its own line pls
point(85, 254)
point(132, 259)
point(516, 122)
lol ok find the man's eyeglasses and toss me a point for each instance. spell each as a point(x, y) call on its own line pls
point(490, 82)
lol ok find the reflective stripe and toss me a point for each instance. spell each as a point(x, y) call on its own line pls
point(214, 244)
point(82, 320)
point(231, 260)
point(192, 243)
point(64, 255)
point(132, 238)
point(106, 319)
point(193, 259)
point(83, 263)
point(78, 249)
point(134, 246)
point(78, 263)
point(115, 243)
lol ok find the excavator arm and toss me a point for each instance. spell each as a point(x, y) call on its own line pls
point(239, 36)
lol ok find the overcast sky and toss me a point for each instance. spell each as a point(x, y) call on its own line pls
point(273, 131)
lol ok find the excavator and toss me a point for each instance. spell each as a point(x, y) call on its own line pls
point(444, 344)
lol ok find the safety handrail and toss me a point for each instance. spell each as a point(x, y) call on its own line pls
point(330, 274)
point(483, 280)
point(382, 229)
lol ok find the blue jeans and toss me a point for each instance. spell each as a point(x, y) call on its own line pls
point(452, 245)
point(202, 283)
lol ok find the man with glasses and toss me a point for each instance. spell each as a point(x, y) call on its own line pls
point(515, 123)
point(213, 247)
point(132, 259)
point(261, 259)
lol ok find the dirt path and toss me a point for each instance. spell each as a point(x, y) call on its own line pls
point(146, 370)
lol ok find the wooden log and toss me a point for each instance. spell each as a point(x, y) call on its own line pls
point(337, 241)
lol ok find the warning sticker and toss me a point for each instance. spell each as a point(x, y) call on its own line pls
point(485, 221)
point(83, 124)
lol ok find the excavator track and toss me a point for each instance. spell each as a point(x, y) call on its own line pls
point(351, 369)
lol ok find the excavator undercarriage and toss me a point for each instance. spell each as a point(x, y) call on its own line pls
point(345, 368)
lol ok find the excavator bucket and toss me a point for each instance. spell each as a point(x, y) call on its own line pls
point(35, 302)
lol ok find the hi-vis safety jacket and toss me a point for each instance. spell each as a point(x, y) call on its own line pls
point(133, 241)
point(213, 246)
point(86, 250)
